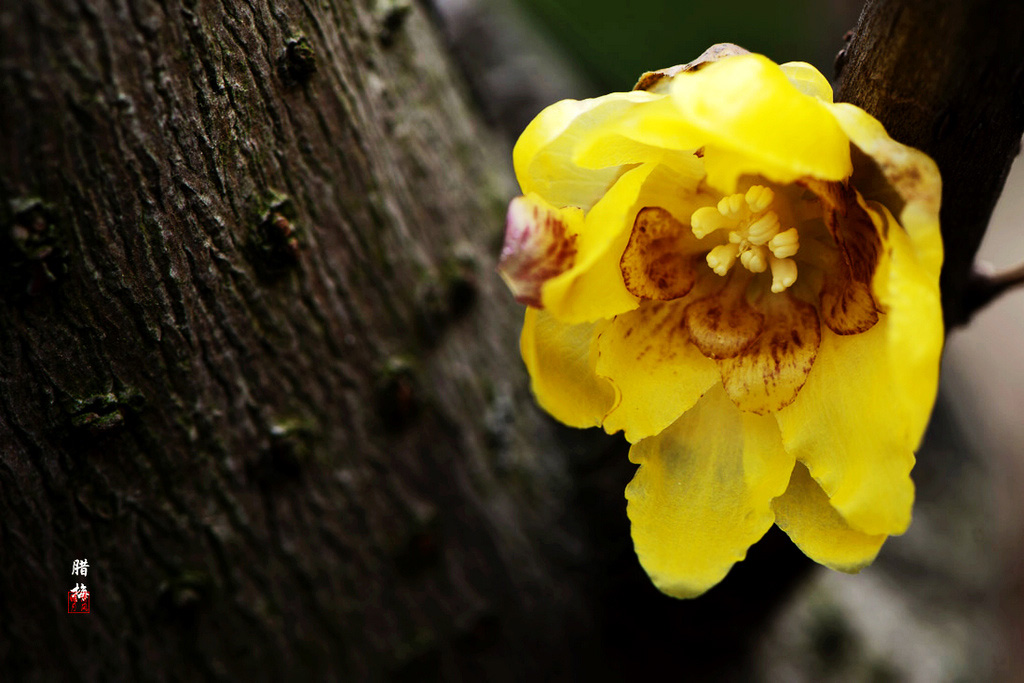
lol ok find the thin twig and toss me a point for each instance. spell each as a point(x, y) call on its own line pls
point(983, 288)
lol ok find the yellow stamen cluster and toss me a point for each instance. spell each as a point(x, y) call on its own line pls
point(755, 236)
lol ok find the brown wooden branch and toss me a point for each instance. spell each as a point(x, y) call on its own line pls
point(245, 369)
point(983, 288)
point(947, 78)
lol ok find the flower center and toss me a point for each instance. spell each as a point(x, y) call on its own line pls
point(755, 236)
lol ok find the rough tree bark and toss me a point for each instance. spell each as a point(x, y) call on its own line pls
point(947, 78)
point(238, 374)
point(256, 367)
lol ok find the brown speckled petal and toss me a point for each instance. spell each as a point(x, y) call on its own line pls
point(655, 264)
point(848, 305)
point(656, 372)
point(768, 374)
point(540, 243)
point(723, 324)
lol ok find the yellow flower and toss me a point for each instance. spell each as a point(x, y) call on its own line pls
point(742, 276)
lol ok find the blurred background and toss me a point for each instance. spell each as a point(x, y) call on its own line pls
point(945, 602)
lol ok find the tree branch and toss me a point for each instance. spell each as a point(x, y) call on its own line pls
point(984, 288)
point(949, 80)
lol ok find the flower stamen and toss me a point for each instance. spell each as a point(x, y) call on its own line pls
point(705, 221)
point(755, 238)
point(783, 273)
point(785, 244)
point(754, 259)
point(764, 228)
point(759, 198)
point(721, 258)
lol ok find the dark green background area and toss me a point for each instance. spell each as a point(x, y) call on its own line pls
point(613, 42)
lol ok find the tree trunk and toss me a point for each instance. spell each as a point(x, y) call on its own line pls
point(255, 365)
point(948, 79)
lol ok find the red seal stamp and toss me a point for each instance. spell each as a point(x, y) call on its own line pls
point(79, 600)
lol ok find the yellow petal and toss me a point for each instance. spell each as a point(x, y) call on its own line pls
point(703, 493)
point(543, 155)
point(908, 287)
point(756, 121)
point(846, 426)
point(808, 80)
point(657, 373)
point(560, 359)
point(660, 80)
point(868, 397)
point(678, 191)
point(905, 182)
point(910, 185)
point(634, 136)
point(805, 513)
point(649, 132)
point(638, 134)
point(593, 288)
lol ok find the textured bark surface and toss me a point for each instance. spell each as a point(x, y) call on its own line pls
point(245, 371)
point(946, 78)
